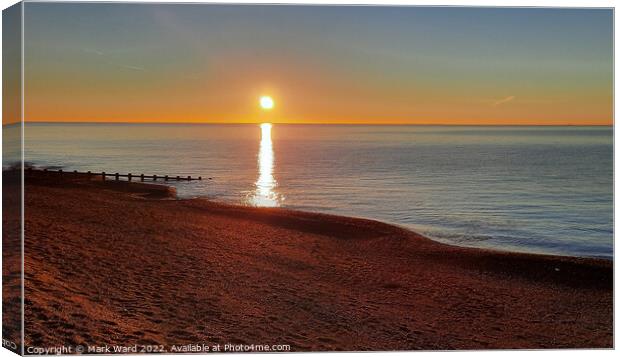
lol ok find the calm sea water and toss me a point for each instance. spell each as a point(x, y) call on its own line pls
point(536, 189)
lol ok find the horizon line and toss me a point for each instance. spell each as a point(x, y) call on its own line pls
point(289, 123)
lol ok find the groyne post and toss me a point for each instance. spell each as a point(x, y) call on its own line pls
point(75, 174)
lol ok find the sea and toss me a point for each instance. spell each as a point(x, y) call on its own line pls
point(539, 189)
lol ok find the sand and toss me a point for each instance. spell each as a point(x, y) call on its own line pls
point(125, 264)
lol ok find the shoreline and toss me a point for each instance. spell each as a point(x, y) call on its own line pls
point(164, 191)
point(399, 225)
point(126, 266)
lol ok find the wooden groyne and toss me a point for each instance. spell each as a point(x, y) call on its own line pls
point(108, 176)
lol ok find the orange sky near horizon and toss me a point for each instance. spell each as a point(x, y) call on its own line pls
point(308, 99)
point(314, 95)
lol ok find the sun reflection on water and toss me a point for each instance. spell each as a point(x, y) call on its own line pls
point(264, 194)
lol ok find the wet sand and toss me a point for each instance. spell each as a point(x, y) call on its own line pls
point(124, 264)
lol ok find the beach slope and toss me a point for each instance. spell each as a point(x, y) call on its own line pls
point(124, 264)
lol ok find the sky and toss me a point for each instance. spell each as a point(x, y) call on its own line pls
point(195, 63)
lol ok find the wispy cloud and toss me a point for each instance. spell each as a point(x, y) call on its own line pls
point(109, 61)
point(504, 100)
point(92, 51)
point(133, 68)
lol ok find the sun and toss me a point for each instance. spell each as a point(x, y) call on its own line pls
point(266, 102)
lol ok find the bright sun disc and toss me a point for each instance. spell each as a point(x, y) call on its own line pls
point(266, 102)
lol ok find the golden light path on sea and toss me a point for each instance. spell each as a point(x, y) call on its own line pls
point(264, 194)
